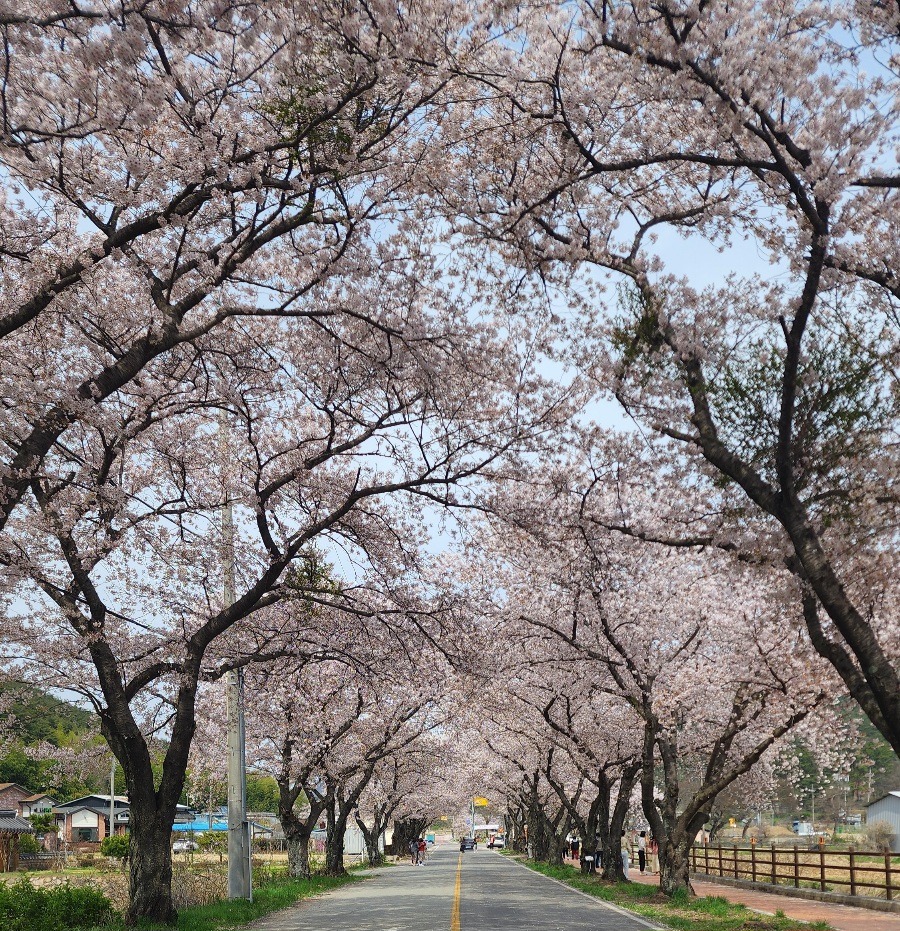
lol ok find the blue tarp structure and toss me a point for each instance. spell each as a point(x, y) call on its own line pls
point(201, 826)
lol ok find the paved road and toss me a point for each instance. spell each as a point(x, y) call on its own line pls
point(485, 890)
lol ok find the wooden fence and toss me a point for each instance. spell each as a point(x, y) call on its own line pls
point(857, 872)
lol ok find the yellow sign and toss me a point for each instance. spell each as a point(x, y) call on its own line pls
point(480, 802)
point(731, 821)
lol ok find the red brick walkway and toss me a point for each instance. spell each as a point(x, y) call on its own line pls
point(842, 917)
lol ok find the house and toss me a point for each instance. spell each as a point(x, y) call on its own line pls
point(11, 794)
point(887, 808)
point(40, 804)
point(12, 827)
point(86, 820)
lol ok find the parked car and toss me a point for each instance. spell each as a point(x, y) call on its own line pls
point(185, 846)
point(496, 843)
point(468, 843)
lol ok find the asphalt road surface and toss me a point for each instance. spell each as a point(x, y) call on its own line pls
point(475, 891)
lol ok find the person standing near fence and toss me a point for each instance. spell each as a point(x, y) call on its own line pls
point(652, 855)
point(626, 854)
point(642, 851)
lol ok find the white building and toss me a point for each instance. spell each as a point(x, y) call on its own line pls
point(887, 808)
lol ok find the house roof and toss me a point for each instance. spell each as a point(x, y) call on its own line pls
point(35, 798)
point(895, 793)
point(89, 801)
point(10, 823)
point(13, 785)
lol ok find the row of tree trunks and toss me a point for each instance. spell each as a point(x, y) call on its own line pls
point(406, 831)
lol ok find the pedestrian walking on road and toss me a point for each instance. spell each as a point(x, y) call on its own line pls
point(576, 846)
point(642, 851)
point(626, 854)
point(422, 848)
point(414, 850)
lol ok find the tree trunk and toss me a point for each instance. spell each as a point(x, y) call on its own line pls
point(298, 853)
point(405, 831)
point(556, 850)
point(613, 868)
point(516, 829)
point(674, 868)
point(297, 830)
point(372, 836)
point(611, 852)
point(335, 828)
point(546, 840)
point(373, 851)
point(152, 809)
point(150, 874)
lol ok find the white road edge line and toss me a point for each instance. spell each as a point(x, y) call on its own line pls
point(590, 898)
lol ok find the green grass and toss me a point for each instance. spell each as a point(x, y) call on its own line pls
point(228, 915)
point(234, 914)
point(681, 912)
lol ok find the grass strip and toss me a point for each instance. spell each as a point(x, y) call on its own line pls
point(227, 915)
point(681, 912)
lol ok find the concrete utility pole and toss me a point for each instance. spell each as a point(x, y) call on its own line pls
point(112, 797)
point(240, 885)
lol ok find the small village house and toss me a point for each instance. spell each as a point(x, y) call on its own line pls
point(12, 827)
point(887, 808)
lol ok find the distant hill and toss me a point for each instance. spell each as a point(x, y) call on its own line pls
point(41, 716)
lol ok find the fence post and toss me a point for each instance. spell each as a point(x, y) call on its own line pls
point(852, 853)
point(720, 859)
point(706, 857)
point(753, 859)
point(796, 868)
point(735, 861)
point(887, 876)
point(821, 867)
point(774, 867)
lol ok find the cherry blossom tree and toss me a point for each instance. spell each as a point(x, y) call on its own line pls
point(269, 351)
point(608, 767)
point(693, 643)
point(601, 127)
point(584, 742)
point(203, 161)
point(414, 786)
point(340, 740)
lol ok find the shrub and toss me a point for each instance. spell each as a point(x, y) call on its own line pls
point(24, 907)
point(28, 844)
point(214, 842)
point(879, 835)
point(198, 885)
point(116, 846)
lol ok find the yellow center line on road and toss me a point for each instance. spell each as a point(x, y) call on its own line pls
point(454, 915)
